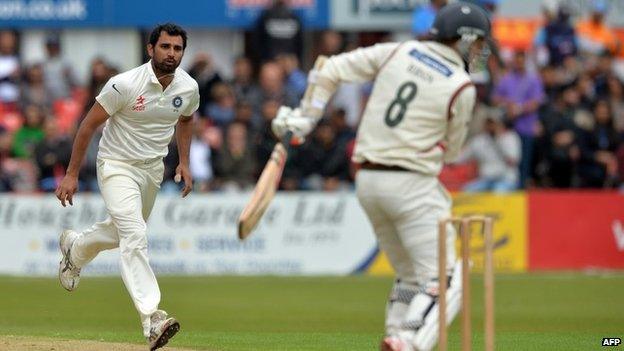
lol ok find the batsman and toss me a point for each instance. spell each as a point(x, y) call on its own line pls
point(415, 121)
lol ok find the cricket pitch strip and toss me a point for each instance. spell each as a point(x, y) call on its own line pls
point(29, 343)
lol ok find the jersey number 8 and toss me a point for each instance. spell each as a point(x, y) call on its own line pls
point(396, 110)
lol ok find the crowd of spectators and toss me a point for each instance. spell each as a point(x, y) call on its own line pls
point(552, 116)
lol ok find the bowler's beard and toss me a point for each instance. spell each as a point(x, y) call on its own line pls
point(165, 68)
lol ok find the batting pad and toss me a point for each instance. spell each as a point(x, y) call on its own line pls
point(427, 335)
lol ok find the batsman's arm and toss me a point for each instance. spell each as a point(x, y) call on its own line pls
point(360, 65)
point(69, 185)
point(461, 108)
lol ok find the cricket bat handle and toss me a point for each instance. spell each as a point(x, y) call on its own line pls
point(286, 138)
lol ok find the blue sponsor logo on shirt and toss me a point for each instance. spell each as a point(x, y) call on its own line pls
point(431, 62)
point(177, 102)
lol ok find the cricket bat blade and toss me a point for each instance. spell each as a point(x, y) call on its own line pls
point(265, 189)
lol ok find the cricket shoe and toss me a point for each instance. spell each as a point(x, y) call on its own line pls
point(69, 274)
point(395, 343)
point(162, 328)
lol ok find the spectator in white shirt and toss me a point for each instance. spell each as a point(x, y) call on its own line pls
point(9, 68)
point(200, 157)
point(59, 77)
point(497, 152)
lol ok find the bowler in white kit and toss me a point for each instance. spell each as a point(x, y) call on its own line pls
point(415, 120)
point(142, 108)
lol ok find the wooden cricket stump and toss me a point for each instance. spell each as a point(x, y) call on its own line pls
point(464, 223)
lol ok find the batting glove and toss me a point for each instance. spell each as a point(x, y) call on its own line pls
point(291, 120)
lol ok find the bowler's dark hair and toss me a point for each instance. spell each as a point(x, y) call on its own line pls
point(169, 28)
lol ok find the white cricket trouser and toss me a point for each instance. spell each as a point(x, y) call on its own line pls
point(404, 209)
point(129, 191)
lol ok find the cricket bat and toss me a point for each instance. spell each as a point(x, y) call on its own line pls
point(271, 175)
point(265, 188)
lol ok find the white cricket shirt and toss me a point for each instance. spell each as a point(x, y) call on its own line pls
point(143, 116)
point(422, 101)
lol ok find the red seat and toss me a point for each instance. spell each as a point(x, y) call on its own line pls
point(10, 118)
point(67, 112)
point(454, 177)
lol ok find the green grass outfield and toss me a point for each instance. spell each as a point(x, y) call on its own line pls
point(563, 311)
